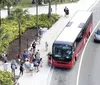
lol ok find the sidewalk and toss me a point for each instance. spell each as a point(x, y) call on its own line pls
point(81, 5)
point(42, 77)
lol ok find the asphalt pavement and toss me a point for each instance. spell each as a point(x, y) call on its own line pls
point(41, 77)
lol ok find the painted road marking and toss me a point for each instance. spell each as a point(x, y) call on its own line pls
point(78, 74)
point(48, 83)
point(80, 63)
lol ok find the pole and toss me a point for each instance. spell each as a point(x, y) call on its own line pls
point(27, 45)
point(49, 13)
point(37, 17)
point(0, 17)
point(19, 38)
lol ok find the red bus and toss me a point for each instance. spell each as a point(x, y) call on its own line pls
point(70, 42)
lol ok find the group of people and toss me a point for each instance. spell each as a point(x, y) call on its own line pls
point(30, 59)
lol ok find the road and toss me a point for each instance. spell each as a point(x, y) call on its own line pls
point(90, 69)
point(89, 73)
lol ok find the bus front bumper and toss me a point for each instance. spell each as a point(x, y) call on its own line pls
point(62, 65)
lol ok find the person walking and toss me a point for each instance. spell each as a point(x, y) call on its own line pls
point(39, 38)
point(21, 69)
point(34, 46)
point(46, 46)
point(66, 10)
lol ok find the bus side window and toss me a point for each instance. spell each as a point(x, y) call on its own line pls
point(79, 37)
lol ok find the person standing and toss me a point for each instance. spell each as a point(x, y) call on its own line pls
point(66, 10)
point(30, 54)
point(37, 55)
point(36, 64)
point(21, 69)
point(39, 38)
point(4, 56)
point(5, 66)
point(13, 66)
point(41, 62)
point(34, 46)
point(25, 56)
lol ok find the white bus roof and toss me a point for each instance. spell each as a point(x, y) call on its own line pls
point(73, 28)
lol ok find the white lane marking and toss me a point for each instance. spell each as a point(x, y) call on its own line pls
point(80, 63)
point(81, 59)
point(50, 76)
point(77, 81)
point(93, 4)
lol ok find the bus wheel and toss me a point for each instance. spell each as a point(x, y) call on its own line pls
point(88, 35)
point(75, 59)
point(86, 39)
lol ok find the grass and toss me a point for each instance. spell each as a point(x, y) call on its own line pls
point(24, 3)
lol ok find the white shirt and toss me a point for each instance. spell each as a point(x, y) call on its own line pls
point(5, 66)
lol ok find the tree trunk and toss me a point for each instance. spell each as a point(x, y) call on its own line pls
point(8, 8)
point(37, 17)
point(50, 9)
point(0, 17)
point(45, 1)
point(19, 38)
point(40, 2)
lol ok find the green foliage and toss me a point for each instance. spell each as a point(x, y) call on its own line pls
point(7, 2)
point(6, 78)
point(9, 29)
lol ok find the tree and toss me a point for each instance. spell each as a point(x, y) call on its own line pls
point(7, 3)
point(18, 14)
point(50, 9)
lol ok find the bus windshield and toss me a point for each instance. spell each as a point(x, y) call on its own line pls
point(62, 52)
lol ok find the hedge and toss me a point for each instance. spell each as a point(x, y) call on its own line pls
point(9, 27)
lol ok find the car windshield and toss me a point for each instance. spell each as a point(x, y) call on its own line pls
point(98, 32)
point(63, 51)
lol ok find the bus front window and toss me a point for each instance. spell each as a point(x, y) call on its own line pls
point(62, 52)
